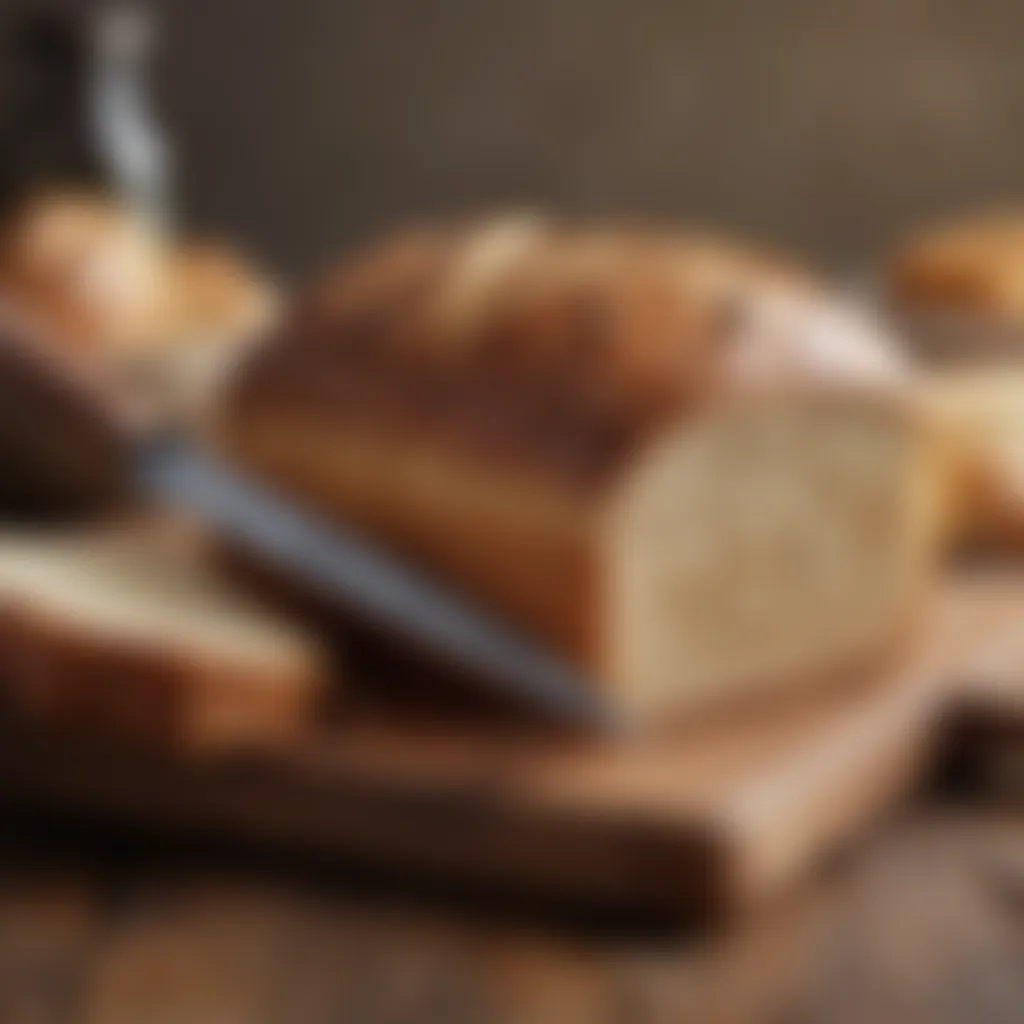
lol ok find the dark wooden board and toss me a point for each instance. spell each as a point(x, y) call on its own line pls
point(711, 822)
point(921, 924)
point(986, 712)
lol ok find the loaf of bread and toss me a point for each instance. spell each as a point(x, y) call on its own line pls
point(960, 289)
point(129, 636)
point(678, 463)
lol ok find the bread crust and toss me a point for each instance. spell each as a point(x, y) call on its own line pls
point(572, 350)
point(972, 265)
point(958, 290)
point(982, 414)
point(94, 290)
point(61, 670)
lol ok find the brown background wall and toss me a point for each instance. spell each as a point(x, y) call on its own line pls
point(827, 124)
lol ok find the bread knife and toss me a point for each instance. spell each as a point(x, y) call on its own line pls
point(70, 426)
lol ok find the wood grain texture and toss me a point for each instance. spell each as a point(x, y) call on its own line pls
point(919, 922)
point(707, 823)
point(923, 924)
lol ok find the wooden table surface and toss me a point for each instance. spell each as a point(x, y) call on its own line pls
point(920, 921)
point(923, 922)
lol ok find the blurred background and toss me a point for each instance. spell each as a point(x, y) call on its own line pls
point(820, 124)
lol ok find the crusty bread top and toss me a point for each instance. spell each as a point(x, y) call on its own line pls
point(972, 266)
point(562, 346)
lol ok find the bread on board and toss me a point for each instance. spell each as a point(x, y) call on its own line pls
point(127, 635)
point(675, 461)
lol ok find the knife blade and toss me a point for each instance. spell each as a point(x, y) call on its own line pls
point(71, 427)
point(364, 581)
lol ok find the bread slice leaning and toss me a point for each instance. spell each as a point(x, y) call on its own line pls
point(131, 636)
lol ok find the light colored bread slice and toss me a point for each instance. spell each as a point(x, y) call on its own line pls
point(687, 471)
point(130, 635)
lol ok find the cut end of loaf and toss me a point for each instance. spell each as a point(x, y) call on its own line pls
point(773, 543)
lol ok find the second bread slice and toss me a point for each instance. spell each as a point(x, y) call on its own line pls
point(132, 636)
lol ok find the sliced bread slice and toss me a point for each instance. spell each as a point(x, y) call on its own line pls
point(130, 635)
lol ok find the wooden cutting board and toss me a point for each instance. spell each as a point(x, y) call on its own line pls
point(709, 823)
point(985, 716)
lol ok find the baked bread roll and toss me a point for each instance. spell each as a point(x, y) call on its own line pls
point(677, 463)
point(156, 323)
point(90, 271)
point(129, 636)
point(959, 288)
point(982, 409)
point(96, 278)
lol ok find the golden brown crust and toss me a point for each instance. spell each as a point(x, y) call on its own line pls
point(218, 293)
point(556, 348)
point(57, 676)
point(972, 266)
point(69, 671)
point(581, 428)
point(97, 277)
point(91, 287)
point(90, 272)
point(982, 411)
